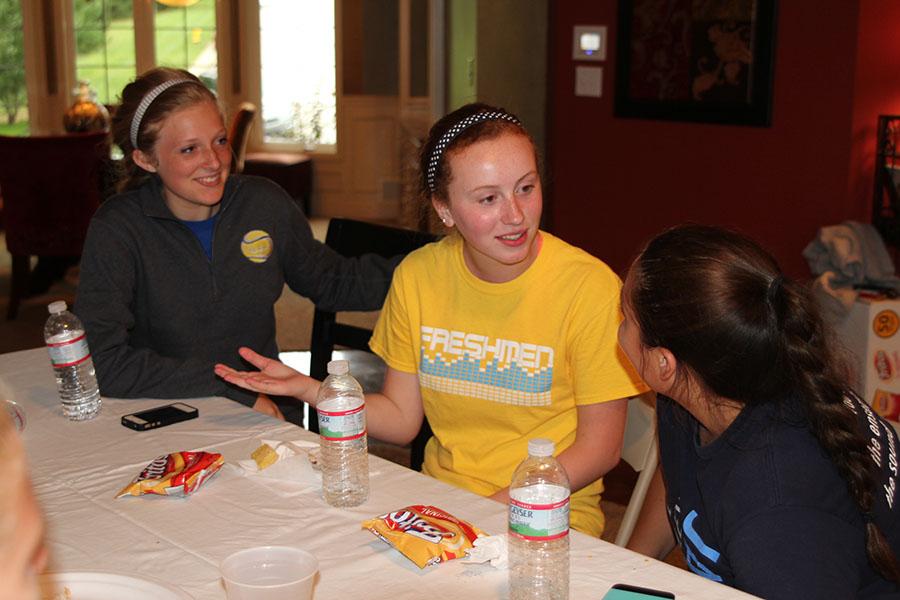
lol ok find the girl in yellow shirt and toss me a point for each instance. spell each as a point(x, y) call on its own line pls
point(498, 334)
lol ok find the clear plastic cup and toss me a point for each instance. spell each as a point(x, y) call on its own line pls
point(270, 573)
point(16, 414)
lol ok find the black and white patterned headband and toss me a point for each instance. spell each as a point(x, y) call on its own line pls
point(452, 133)
point(146, 101)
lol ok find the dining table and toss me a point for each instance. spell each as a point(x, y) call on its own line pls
point(78, 468)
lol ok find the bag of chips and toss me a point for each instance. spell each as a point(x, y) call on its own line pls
point(177, 474)
point(425, 534)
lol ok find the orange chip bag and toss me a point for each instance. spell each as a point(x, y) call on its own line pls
point(177, 474)
point(424, 534)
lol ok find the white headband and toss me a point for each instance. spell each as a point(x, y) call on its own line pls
point(146, 101)
point(453, 132)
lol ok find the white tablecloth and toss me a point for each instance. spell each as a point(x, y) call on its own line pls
point(78, 468)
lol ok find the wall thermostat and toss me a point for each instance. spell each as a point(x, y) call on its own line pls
point(589, 42)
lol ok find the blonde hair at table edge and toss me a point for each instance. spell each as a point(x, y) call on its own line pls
point(21, 522)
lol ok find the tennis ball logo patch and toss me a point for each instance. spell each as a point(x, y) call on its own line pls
point(257, 246)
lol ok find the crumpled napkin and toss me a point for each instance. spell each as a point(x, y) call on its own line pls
point(489, 548)
point(292, 463)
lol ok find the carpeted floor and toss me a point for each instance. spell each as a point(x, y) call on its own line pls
point(294, 323)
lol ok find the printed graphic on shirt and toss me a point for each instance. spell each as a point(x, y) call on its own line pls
point(698, 555)
point(257, 246)
point(478, 366)
point(882, 448)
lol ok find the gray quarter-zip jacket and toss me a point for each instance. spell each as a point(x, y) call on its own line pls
point(159, 314)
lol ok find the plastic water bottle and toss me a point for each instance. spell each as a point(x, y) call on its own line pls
point(344, 453)
point(72, 363)
point(539, 526)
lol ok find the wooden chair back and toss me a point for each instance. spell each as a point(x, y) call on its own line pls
point(239, 134)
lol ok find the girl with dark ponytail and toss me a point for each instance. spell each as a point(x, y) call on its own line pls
point(775, 477)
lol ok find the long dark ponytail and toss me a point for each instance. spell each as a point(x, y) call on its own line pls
point(743, 331)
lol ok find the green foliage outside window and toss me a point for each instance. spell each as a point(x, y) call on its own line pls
point(92, 19)
point(105, 53)
point(13, 95)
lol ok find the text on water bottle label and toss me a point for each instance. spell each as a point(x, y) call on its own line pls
point(342, 425)
point(69, 353)
point(539, 522)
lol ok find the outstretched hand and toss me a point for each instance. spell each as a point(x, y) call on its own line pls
point(273, 377)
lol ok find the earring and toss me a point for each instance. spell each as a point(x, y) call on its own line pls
point(662, 361)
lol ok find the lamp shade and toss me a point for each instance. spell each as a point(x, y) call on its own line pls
point(178, 2)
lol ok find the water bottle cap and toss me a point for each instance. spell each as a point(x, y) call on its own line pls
point(338, 367)
point(57, 307)
point(541, 447)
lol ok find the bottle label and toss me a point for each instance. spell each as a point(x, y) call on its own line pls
point(69, 353)
point(539, 521)
point(342, 425)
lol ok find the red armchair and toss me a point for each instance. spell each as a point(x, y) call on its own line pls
point(51, 186)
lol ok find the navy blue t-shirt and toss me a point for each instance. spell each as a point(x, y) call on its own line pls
point(763, 509)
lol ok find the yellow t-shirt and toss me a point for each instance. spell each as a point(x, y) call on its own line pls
point(501, 363)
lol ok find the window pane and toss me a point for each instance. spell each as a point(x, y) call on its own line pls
point(186, 39)
point(297, 71)
point(117, 78)
point(171, 50)
point(13, 96)
point(104, 43)
point(202, 14)
point(88, 14)
point(96, 76)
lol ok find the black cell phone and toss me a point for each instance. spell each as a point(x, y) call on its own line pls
point(623, 591)
point(159, 416)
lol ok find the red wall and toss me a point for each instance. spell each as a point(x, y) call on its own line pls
point(876, 88)
point(613, 183)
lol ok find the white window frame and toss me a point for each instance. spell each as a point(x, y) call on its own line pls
point(50, 62)
point(50, 55)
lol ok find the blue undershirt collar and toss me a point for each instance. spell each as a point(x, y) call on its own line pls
point(204, 232)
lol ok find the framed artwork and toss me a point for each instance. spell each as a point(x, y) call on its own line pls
point(709, 61)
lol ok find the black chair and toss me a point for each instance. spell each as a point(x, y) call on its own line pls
point(354, 238)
